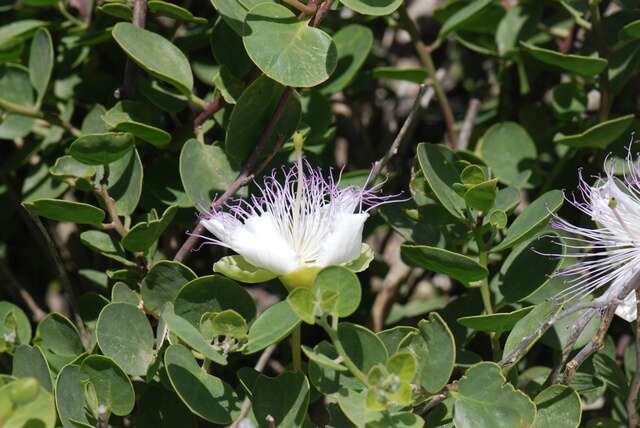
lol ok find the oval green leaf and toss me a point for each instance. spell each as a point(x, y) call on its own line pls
point(112, 386)
point(205, 395)
point(297, 54)
point(101, 149)
point(458, 266)
point(586, 66)
point(272, 325)
point(63, 210)
point(532, 219)
point(162, 284)
point(374, 8)
point(484, 399)
point(353, 44)
point(598, 136)
point(155, 54)
point(510, 152)
point(124, 334)
point(435, 351)
point(437, 163)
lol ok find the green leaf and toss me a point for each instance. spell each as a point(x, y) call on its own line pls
point(63, 210)
point(558, 406)
point(212, 294)
point(285, 398)
point(18, 30)
point(112, 386)
point(205, 395)
point(462, 16)
point(257, 105)
point(138, 119)
point(415, 75)
point(482, 196)
point(124, 334)
point(125, 182)
point(517, 24)
point(630, 31)
point(155, 54)
point(361, 263)
point(205, 171)
point(57, 335)
point(38, 411)
point(144, 234)
point(272, 325)
point(532, 219)
point(41, 62)
point(303, 303)
point(395, 336)
point(162, 284)
point(117, 10)
point(458, 266)
point(435, 351)
point(237, 268)
point(122, 293)
point(527, 326)
point(227, 323)
point(15, 85)
point(583, 65)
point(161, 95)
point(101, 149)
point(322, 359)
point(361, 345)
point(342, 282)
point(510, 152)
point(499, 322)
point(374, 8)
point(297, 55)
point(22, 326)
point(104, 244)
point(190, 335)
point(529, 267)
point(174, 11)
point(70, 396)
point(353, 44)
point(598, 136)
point(67, 166)
point(483, 399)
point(438, 166)
point(235, 12)
point(29, 362)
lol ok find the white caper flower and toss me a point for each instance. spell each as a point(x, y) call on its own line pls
point(296, 226)
point(609, 254)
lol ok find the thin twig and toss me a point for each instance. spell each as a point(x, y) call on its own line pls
point(424, 53)
point(210, 108)
point(259, 367)
point(594, 346)
point(12, 283)
point(402, 134)
point(634, 389)
point(469, 123)
point(308, 9)
point(597, 342)
point(246, 175)
point(110, 205)
point(576, 331)
point(139, 19)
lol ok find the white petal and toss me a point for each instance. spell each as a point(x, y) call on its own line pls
point(627, 309)
point(261, 244)
point(344, 240)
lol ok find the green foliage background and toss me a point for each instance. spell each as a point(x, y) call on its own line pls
point(120, 120)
